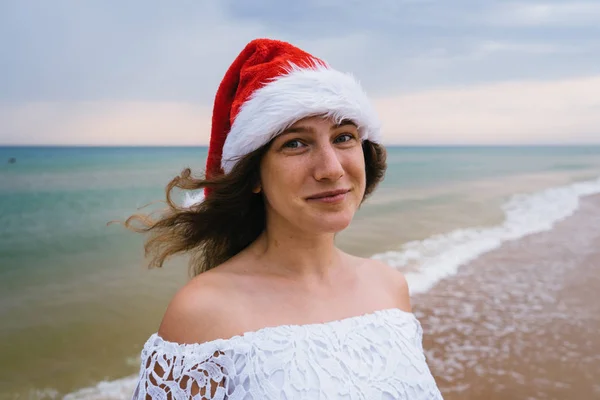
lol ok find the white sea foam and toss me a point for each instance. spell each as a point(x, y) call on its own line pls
point(42, 394)
point(106, 390)
point(437, 257)
point(426, 262)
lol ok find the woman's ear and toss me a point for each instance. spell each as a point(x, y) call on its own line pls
point(257, 189)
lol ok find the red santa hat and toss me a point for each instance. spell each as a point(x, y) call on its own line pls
point(271, 85)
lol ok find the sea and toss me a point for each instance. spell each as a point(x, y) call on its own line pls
point(77, 301)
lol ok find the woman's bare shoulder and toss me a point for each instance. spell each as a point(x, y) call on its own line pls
point(391, 279)
point(202, 310)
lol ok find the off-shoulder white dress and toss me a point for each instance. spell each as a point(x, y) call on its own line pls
point(373, 356)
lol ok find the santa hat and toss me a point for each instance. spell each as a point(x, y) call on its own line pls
point(271, 85)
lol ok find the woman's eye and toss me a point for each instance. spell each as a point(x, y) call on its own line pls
point(293, 144)
point(344, 138)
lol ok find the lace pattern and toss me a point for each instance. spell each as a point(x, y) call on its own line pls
point(373, 356)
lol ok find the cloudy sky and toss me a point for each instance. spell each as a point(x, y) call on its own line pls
point(440, 72)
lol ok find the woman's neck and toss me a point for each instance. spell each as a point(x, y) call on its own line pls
point(297, 255)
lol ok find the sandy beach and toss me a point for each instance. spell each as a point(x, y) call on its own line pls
point(522, 321)
point(77, 302)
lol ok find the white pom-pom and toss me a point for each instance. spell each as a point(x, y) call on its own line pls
point(193, 199)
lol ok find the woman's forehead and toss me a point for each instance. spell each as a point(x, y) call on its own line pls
point(321, 119)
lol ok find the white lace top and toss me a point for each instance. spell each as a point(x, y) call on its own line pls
point(372, 356)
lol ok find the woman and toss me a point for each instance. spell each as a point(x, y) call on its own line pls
point(276, 310)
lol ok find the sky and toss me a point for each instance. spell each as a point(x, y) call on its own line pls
point(112, 72)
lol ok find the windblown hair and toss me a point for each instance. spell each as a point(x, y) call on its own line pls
point(229, 219)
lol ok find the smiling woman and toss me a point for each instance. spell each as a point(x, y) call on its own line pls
point(275, 309)
point(315, 177)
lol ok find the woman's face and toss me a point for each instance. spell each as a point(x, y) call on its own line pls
point(313, 175)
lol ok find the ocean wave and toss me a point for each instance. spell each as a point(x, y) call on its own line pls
point(426, 262)
point(106, 390)
point(437, 257)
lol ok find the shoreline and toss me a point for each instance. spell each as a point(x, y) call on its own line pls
point(438, 254)
point(521, 321)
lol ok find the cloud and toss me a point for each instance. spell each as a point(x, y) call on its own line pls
point(564, 111)
point(104, 123)
point(139, 50)
point(69, 50)
point(544, 14)
point(93, 60)
point(495, 46)
point(504, 51)
point(521, 112)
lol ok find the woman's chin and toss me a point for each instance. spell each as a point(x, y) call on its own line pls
point(331, 223)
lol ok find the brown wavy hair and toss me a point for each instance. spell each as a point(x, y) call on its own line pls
point(228, 220)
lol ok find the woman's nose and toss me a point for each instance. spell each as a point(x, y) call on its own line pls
point(327, 164)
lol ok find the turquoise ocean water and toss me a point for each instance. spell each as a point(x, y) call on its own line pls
point(76, 302)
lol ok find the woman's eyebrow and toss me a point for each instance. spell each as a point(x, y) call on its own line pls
point(344, 122)
point(310, 129)
point(298, 129)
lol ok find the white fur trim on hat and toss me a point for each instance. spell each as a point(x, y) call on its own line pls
point(301, 92)
point(191, 200)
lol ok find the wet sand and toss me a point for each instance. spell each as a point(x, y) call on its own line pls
point(522, 321)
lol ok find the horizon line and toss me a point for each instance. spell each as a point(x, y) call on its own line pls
point(384, 145)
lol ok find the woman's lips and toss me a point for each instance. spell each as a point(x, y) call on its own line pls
point(330, 197)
